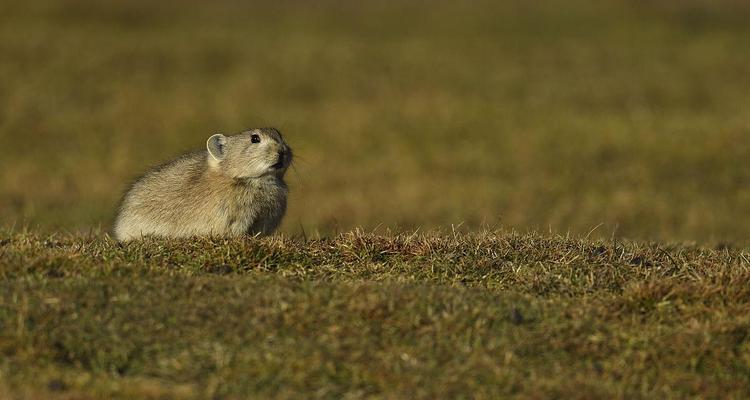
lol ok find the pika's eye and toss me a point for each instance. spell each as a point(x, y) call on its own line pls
point(255, 138)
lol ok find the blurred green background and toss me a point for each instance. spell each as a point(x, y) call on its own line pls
point(633, 116)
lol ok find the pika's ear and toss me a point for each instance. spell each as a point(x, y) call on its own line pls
point(216, 145)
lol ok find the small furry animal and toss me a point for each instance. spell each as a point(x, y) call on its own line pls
point(235, 187)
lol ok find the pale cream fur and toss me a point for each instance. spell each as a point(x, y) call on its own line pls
point(233, 188)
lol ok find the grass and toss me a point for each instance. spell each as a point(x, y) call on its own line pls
point(558, 115)
point(619, 128)
point(483, 314)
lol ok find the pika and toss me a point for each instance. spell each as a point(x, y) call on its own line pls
point(234, 187)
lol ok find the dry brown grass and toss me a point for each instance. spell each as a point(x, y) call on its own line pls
point(611, 120)
point(491, 314)
point(561, 115)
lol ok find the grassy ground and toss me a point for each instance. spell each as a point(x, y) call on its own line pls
point(623, 124)
point(482, 314)
point(558, 114)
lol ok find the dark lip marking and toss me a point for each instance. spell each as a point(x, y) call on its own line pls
point(281, 161)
